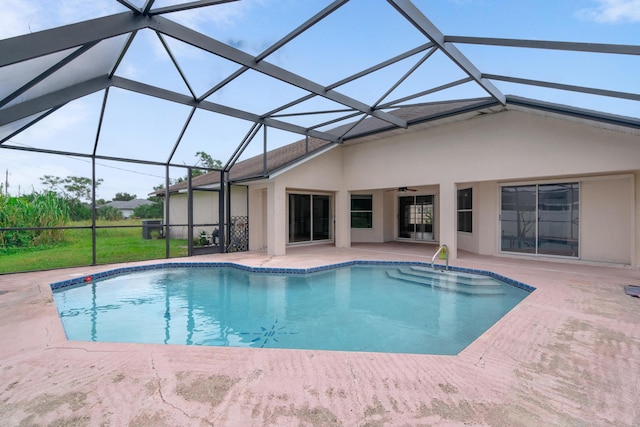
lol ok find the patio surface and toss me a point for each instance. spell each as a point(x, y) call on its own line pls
point(568, 355)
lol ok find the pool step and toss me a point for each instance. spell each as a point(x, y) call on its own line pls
point(466, 283)
point(457, 276)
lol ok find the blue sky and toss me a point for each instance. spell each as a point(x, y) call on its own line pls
point(140, 127)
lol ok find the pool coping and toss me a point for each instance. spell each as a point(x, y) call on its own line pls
point(89, 279)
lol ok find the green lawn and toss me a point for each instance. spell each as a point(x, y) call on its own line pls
point(113, 245)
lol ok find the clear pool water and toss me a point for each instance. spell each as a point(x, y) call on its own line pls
point(373, 308)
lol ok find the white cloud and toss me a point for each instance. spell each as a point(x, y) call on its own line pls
point(16, 17)
point(128, 71)
point(81, 10)
point(58, 125)
point(19, 17)
point(613, 11)
point(223, 15)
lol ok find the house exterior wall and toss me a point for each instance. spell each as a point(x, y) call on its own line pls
point(507, 148)
point(376, 233)
point(268, 201)
point(607, 217)
point(484, 238)
point(205, 210)
point(258, 218)
point(322, 173)
point(483, 153)
point(390, 215)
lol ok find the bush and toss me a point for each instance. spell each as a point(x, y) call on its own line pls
point(109, 213)
point(78, 211)
point(156, 210)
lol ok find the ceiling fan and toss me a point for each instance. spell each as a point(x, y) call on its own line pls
point(403, 189)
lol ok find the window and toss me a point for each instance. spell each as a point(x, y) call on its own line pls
point(465, 210)
point(361, 211)
point(541, 219)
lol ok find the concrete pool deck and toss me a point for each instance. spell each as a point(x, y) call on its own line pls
point(569, 354)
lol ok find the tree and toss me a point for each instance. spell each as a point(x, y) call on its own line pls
point(124, 197)
point(53, 183)
point(76, 190)
point(157, 199)
point(207, 161)
point(80, 187)
point(71, 187)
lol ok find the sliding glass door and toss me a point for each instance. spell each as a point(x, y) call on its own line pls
point(309, 218)
point(415, 217)
point(540, 219)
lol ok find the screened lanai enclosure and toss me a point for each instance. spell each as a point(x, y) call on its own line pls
point(193, 100)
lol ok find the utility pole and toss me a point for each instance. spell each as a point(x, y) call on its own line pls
point(6, 182)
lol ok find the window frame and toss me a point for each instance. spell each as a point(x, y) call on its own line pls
point(536, 249)
point(313, 234)
point(464, 210)
point(368, 212)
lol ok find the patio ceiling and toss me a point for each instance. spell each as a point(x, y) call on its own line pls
point(322, 93)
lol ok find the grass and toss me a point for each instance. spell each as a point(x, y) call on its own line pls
point(112, 245)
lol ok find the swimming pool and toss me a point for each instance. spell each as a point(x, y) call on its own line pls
point(357, 306)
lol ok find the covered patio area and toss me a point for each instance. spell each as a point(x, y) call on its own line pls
point(569, 354)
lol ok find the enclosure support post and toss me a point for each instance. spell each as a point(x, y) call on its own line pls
point(94, 253)
point(189, 214)
point(167, 220)
point(221, 215)
point(264, 150)
point(94, 256)
point(227, 205)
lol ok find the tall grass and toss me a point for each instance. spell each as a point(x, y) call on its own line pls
point(33, 210)
point(121, 244)
point(24, 249)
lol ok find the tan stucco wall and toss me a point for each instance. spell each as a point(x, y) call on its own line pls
point(607, 213)
point(607, 219)
point(505, 148)
point(205, 209)
point(258, 218)
point(321, 174)
point(484, 239)
point(390, 215)
point(484, 153)
point(376, 233)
